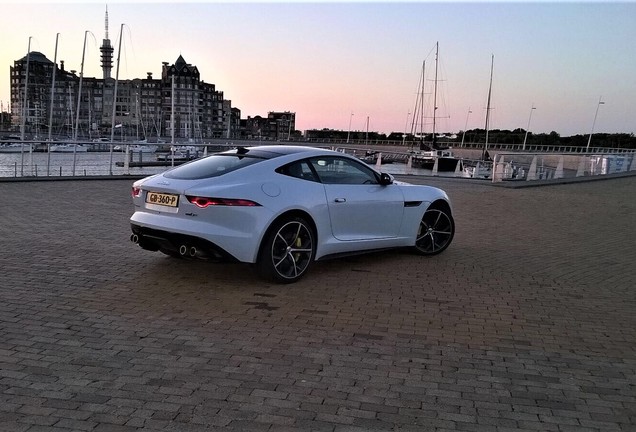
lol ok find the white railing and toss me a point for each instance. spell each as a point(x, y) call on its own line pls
point(32, 159)
point(548, 148)
point(551, 166)
point(36, 159)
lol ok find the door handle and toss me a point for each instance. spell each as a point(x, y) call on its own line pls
point(340, 200)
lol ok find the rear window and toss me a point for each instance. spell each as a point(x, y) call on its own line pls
point(212, 166)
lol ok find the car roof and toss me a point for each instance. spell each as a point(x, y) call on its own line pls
point(269, 151)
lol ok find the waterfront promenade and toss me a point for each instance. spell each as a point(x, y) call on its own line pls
point(526, 323)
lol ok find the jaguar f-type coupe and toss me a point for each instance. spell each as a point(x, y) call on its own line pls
point(281, 208)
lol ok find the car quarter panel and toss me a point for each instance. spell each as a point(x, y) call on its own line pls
point(280, 195)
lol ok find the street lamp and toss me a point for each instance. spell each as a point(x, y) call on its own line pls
point(406, 126)
point(528, 128)
point(465, 126)
point(600, 102)
point(349, 131)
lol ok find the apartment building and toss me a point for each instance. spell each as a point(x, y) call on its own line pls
point(178, 104)
point(278, 126)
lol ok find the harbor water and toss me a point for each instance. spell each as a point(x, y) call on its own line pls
point(42, 164)
point(79, 164)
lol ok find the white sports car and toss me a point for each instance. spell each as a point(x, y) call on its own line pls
point(283, 207)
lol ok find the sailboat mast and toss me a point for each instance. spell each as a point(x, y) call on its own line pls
point(24, 98)
point(79, 90)
point(421, 95)
point(24, 109)
point(435, 94)
point(483, 153)
point(172, 112)
point(112, 120)
point(137, 111)
point(52, 104)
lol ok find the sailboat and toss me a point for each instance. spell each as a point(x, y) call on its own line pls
point(482, 168)
point(15, 147)
point(431, 156)
point(484, 153)
point(67, 148)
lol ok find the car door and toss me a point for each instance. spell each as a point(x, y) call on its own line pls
point(359, 207)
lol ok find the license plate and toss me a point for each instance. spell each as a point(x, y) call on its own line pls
point(162, 199)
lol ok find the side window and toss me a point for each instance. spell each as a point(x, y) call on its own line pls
point(338, 170)
point(299, 170)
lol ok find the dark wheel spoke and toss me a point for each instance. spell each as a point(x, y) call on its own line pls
point(282, 239)
point(286, 265)
point(439, 215)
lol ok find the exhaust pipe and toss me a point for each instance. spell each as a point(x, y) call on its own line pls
point(183, 250)
point(193, 251)
point(144, 242)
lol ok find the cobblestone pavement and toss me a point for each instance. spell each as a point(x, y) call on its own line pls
point(527, 322)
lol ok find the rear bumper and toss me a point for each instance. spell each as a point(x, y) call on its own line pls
point(179, 244)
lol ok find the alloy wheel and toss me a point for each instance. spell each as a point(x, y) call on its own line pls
point(292, 250)
point(435, 232)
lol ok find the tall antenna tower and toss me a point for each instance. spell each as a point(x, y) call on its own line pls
point(106, 50)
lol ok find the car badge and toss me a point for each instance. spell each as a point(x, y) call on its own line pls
point(164, 183)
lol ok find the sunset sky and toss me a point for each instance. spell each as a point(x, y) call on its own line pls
point(326, 60)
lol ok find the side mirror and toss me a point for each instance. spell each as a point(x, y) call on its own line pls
point(386, 179)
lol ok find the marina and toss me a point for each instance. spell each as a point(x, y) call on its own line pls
point(81, 146)
point(507, 164)
point(41, 164)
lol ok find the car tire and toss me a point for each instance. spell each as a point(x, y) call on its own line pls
point(287, 251)
point(436, 231)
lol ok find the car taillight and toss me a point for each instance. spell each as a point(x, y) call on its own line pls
point(204, 202)
point(136, 192)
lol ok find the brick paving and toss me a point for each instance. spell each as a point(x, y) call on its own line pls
point(526, 323)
